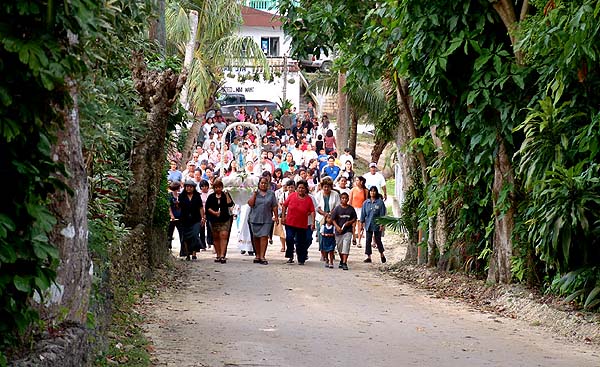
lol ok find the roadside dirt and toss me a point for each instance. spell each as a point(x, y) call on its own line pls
point(245, 314)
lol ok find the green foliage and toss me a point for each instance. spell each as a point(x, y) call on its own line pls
point(37, 60)
point(581, 286)
point(126, 331)
point(281, 107)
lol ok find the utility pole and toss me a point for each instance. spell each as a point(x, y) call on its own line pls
point(285, 76)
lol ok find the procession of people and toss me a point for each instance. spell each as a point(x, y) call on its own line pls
point(301, 192)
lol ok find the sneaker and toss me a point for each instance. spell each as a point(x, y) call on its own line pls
point(345, 266)
point(290, 261)
point(326, 265)
point(359, 245)
point(383, 259)
point(300, 262)
point(243, 252)
point(250, 253)
point(194, 257)
point(330, 266)
point(341, 265)
point(367, 260)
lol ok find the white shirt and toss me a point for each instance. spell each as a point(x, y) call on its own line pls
point(376, 179)
point(307, 155)
point(346, 157)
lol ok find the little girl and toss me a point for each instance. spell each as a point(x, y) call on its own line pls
point(328, 240)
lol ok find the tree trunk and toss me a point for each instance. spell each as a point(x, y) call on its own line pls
point(192, 137)
point(190, 47)
point(70, 295)
point(440, 226)
point(407, 108)
point(378, 148)
point(342, 115)
point(158, 91)
point(353, 132)
point(500, 261)
point(158, 28)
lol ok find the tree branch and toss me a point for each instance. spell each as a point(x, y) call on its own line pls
point(524, 10)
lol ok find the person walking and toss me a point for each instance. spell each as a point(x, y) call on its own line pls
point(326, 199)
point(343, 217)
point(217, 208)
point(373, 208)
point(263, 206)
point(297, 209)
point(375, 178)
point(192, 215)
point(174, 213)
point(358, 195)
point(328, 240)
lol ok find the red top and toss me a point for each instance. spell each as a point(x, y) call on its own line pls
point(298, 210)
point(329, 141)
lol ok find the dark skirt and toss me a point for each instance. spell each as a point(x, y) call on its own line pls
point(221, 226)
point(190, 241)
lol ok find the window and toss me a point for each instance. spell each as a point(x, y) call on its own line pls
point(270, 46)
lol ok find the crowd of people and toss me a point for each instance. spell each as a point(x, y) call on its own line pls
point(305, 191)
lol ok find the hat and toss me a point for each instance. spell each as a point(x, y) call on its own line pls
point(373, 165)
point(189, 183)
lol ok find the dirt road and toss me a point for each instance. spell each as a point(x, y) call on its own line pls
point(245, 314)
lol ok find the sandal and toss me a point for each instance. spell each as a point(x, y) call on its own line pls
point(256, 261)
point(264, 262)
point(223, 260)
point(218, 260)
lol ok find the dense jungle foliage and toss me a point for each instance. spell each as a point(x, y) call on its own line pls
point(491, 84)
point(503, 98)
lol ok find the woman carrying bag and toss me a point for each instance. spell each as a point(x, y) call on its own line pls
point(218, 206)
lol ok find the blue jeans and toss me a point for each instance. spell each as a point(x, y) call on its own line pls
point(300, 237)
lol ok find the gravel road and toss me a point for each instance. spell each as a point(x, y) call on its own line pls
point(245, 314)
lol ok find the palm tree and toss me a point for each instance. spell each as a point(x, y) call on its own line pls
point(203, 30)
point(367, 100)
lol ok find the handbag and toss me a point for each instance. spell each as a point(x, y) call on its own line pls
point(231, 209)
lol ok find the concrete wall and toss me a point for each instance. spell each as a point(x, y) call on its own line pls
point(258, 32)
point(264, 90)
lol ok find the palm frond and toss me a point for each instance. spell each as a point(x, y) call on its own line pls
point(177, 25)
point(322, 83)
point(369, 99)
point(236, 51)
point(199, 83)
point(218, 19)
point(392, 223)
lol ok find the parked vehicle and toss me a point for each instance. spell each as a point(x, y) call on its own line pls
point(230, 106)
point(323, 63)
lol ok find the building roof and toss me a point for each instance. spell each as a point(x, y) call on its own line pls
point(257, 18)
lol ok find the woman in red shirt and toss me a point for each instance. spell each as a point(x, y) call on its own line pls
point(297, 208)
point(330, 143)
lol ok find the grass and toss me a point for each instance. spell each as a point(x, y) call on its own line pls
point(127, 344)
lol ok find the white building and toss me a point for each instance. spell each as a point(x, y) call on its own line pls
point(266, 30)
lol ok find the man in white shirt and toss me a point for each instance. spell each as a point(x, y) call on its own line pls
point(374, 178)
point(309, 154)
point(346, 157)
